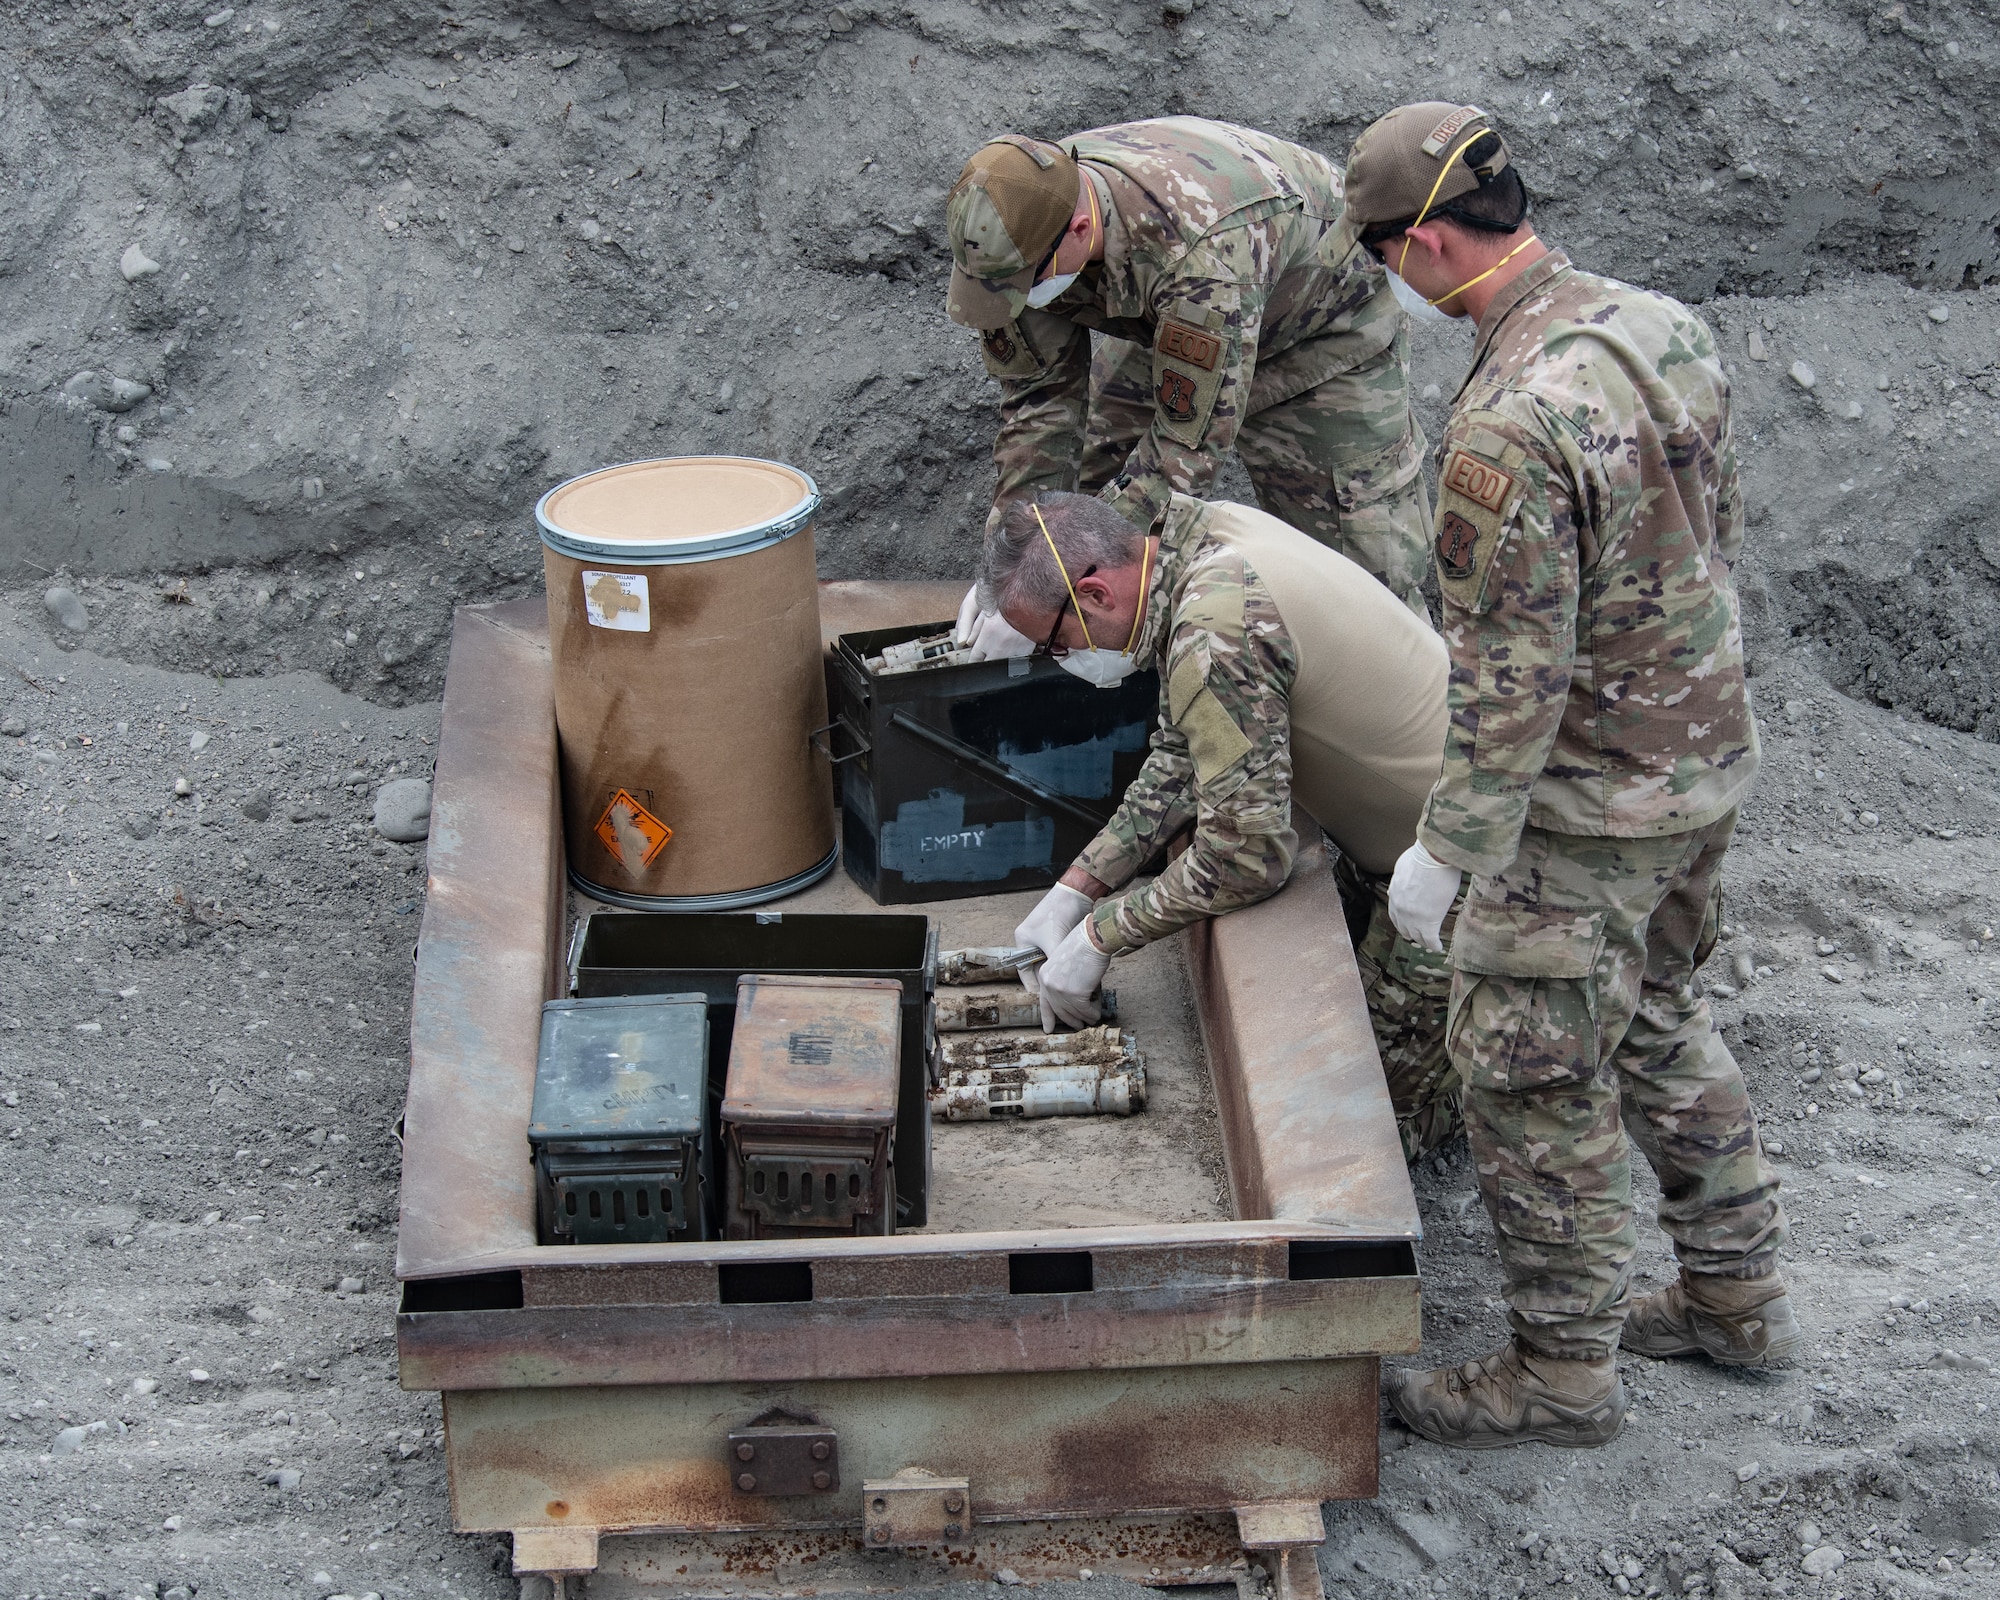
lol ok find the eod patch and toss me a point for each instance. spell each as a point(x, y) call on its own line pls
point(1474, 497)
point(1189, 358)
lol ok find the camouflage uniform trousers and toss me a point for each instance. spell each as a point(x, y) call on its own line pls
point(1574, 1019)
point(1336, 462)
point(1409, 996)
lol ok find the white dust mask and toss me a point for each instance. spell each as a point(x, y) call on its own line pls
point(1102, 668)
point(1049, 289)
point(1420, 309)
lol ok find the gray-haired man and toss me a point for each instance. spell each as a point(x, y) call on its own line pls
point(1285, 669)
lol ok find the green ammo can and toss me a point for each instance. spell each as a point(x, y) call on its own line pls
point(620, 1092)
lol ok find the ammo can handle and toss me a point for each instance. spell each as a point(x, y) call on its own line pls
point(825, 746)
point(1017, 784)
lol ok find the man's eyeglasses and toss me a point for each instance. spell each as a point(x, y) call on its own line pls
point(1048, 647)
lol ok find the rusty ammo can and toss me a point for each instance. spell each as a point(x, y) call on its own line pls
point(684, 634)
point(809, 1114)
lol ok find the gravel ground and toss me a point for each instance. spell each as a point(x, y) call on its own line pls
point(414, 264)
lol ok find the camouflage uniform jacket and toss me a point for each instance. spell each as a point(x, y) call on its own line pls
point(1221, 756)
point(1588, 516)
point(1218, 254)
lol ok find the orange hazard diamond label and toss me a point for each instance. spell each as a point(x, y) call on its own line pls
point(631, 833)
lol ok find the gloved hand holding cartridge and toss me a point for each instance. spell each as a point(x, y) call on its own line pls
point(986, 633)
point(1070, 979)
point(1058, 911)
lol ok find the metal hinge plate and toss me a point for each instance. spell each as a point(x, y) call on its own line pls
point(784, 1458)
point(915, 1508)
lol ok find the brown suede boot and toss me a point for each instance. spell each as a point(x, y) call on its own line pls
point(1739, 1322)
point(1514, 1395)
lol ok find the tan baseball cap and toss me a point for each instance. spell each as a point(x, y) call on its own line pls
point(1416, 160)
point(1011, 203)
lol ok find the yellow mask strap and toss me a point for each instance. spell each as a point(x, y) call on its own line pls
point(1449, 162)
point(1139, 616)
point(1469, 282)
point(1065, 578)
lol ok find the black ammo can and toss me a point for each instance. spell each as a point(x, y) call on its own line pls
point(621, 1095)
point(977, 778)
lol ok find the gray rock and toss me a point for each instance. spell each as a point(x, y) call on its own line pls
point(403, 810)
point(1939, 313)
point(135, 264)
point(1821, 1561)
point(66, 608)
point(142, 824)
point(106, 391)
point(13, 727)
point(1803, 375)
point(256, 805)
point(196, 106)
point(70, 1440)
point(350, 1286)
point(284, 1480)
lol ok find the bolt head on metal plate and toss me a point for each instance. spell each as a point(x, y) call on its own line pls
point(782, 1459)
point(916, 1508)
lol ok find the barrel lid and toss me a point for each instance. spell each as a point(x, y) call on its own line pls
point(678, 508)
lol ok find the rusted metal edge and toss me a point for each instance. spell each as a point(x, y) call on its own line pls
point(489, 951)
point(1175, 1325)
point(1084, 1441)
point(1308, 1130)
point(716, 1252)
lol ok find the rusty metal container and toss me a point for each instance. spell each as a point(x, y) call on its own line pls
point(684, 636)
point(1153, 1400)
point(809, 1113)
point(621, 1091)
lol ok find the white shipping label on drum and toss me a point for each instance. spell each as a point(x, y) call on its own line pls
point(618, 600)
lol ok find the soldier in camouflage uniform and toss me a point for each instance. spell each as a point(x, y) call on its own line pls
point(1601, 740)
point(1207, 256)
point(1286, 672)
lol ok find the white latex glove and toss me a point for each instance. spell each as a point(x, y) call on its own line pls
point(1070, 980)
point(986, 633)
point(1420, 893)
point(1061, 909)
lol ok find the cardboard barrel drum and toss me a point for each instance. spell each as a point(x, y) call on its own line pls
point(684, 630)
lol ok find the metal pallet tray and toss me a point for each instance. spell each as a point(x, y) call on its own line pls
point(1081, 1379)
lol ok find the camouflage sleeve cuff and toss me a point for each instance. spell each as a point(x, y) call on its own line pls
point(1107, 860)
point(1105, 929)
point(1480, 838)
